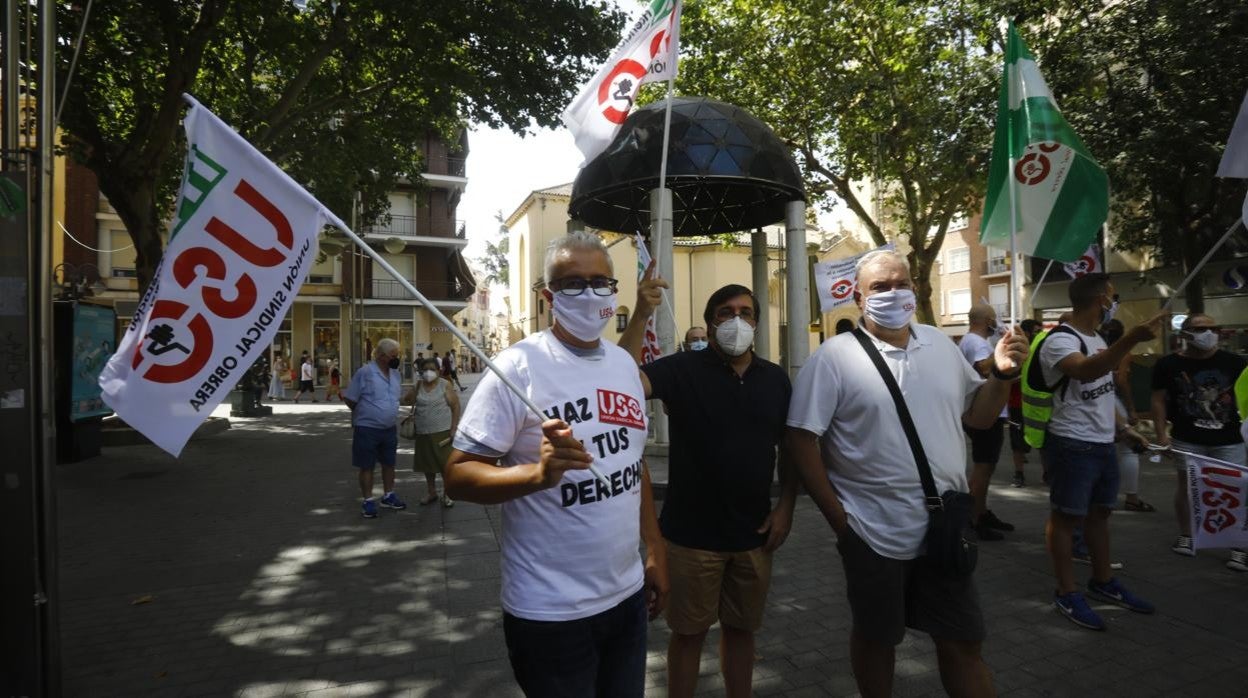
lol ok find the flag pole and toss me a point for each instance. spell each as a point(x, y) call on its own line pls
point(667, 127)
point(1043, 275)
point(437, 314)
point(1201, 264)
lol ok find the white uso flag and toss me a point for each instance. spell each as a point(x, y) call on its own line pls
point(647, 54)
point(836, 280)
point(242, 243)
point(1216, 491)
point(1088, 263)
point(650, 349)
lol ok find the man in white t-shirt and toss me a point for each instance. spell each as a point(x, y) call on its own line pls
point(985, 443)
point(857, 464)
point(575, 591)
point(1079, 450)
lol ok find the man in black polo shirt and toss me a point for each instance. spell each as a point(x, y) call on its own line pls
point(727, 409)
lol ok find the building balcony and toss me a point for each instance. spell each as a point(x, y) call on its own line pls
point(996, 266)
point(446, 172)
point(435, 291)
point(408, 229)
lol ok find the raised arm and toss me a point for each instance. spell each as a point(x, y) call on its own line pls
point(649, 296)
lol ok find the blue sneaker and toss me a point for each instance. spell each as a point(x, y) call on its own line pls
point(370, 509)
point(1116, 593)
point(1076, 609)
point(392, 501)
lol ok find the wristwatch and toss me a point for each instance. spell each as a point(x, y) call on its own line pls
point(1007, 377)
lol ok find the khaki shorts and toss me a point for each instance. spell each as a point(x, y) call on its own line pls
point(707, 586)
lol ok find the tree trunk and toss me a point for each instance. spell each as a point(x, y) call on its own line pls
point(921, 274)
point(134, 199)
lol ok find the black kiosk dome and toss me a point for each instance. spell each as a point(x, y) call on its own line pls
point(727, 171)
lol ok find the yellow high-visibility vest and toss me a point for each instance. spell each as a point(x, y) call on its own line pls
point(1037, 395)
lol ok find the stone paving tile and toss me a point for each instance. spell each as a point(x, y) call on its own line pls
point(262, 579)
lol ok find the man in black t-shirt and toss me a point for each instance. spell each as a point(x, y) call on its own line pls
point(1194, 390)
point(727, 411)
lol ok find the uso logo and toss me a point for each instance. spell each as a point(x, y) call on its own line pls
point(842, 289)
point(621, 409)
point(210, 269)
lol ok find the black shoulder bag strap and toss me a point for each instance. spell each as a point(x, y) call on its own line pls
point(934, 502)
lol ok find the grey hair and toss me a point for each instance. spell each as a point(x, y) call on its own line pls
point(384, 347)
point(877, 256)
point(575, 241)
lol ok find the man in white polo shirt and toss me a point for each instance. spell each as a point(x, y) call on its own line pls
point(575, 591)
point(857, 465)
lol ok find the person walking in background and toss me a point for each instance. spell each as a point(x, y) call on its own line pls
point(452, 370)
point(277, 385)
point(1193, 390)
point(373, 397)
point(1018, 445)
point(435, 410)
point(335, 382)
point(306, 374)
point(977, 348)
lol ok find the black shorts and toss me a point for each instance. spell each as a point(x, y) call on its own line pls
point(1017, 442)
point(306, 386)
point(886, 596)
point(986, 443)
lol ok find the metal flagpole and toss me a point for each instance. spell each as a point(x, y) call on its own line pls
point(1201, 264)
point(337, 222)
point(1047, 267)
point(1009, 174)
point(667, 127)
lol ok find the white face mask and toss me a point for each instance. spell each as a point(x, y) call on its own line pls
point(891, 309)
point(697, 345)
point(1107, 314)
point(584, 316)
point(734, 336)
point(429, 375)
point(1203, 340)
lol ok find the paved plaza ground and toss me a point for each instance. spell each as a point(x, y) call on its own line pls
point(244, 568)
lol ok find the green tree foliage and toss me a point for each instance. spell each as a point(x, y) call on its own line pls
point(339, 94)
point(495, 259)
point(899, 93)
point(1153, 87)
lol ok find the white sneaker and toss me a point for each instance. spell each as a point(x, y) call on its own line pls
point(448, 503)
point(1238, 561)
point(1183, 546)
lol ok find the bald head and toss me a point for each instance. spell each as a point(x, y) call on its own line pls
point(981, 318)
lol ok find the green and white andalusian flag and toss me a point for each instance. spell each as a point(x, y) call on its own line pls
point(1041, 171)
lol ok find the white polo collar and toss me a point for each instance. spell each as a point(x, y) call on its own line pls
point(916, 339)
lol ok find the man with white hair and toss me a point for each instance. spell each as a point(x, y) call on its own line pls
point(847, 438)
point(575, 592)
point(373, 397)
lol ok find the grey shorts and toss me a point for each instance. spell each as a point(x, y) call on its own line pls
point(886, 596)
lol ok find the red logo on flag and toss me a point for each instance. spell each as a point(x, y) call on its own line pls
point(842, 289)
point(1032, 169)
point(624, 89)
point(621, 409)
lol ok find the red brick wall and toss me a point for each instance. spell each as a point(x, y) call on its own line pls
point(82, 200)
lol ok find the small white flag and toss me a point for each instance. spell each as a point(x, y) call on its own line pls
point(1088, 263)
point(650, 349)
point(243, 241)
point(837, 280)
point(1235, 158)
point(1218, 494)
point(648, 54)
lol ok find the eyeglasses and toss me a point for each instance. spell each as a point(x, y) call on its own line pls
point(725, 314)
point(575, 286)
point(1203, 328)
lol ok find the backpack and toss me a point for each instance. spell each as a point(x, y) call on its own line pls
point(1037, 395)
